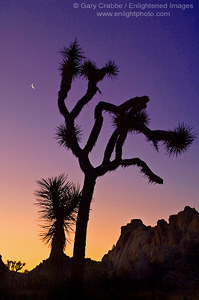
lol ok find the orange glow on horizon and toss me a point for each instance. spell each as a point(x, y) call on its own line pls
point(111, 208)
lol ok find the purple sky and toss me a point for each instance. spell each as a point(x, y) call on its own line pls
point(157, 57)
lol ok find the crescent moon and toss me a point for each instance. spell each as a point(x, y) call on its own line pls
point(32, 86)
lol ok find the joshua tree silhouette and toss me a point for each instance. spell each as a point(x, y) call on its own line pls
point(128, 117)
point(58, 201)
point(15, 266)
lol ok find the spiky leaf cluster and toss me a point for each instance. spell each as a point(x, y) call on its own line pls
point(72, 58)
point(112, 69)
point(58, 201)
point(73, 52)
point(130, 122)
point(62, 135)
point(87, 68)
point(142, 117)
point(180, 140)
point(72, 66)
point(90, 71)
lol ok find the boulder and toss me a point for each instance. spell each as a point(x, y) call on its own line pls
point(172, 245)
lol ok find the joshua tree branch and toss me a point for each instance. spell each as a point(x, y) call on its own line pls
point(136, 103)
point(157, 135)
point(61, 104)
point(96, 129)
point(175, 141)
point(98, 125)
point(105, 165)
point(119, 145)
point(90, 93)
point(153, 178)
point(144, 169)
point(113, 165)
point(110, 146)
point(94, 135)
point(62, 95)
point(74, 146)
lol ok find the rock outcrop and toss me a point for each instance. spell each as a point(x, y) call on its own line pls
point(4, 274)
point(174, 246)
point(3, 269)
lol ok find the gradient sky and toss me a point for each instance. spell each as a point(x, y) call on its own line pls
point(157, 56)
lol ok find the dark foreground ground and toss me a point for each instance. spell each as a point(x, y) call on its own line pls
point(101, 295)
point(50, 281)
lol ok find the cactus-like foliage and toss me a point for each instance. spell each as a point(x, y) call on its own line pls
point(87, 69)
point(180, 140)
point(129, 122)
point(73, 52)
point(112, 70)
point(58, 201)
point(72, 57)
point(63, 137)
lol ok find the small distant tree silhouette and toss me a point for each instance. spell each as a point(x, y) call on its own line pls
point(128, 117)
point(15, 266)
point(58, 201)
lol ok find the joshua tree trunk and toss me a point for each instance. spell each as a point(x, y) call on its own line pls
point(57, 249)
point(56, 257)
point(78, 263)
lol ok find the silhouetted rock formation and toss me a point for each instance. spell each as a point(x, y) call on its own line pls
point(171, 249)
point(3, 271)
point(159, 262)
